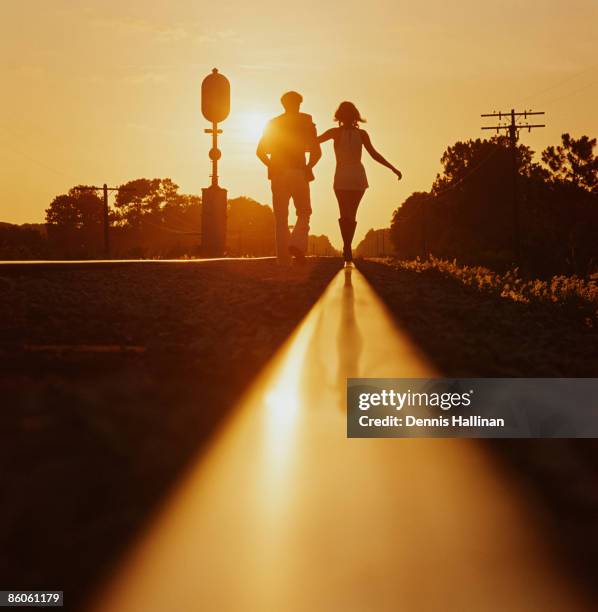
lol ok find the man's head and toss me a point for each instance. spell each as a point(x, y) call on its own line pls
point(291, 101)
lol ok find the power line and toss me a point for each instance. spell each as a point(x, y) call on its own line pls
point(170, 229)
point(572, 93)
point(559, 83)
point(36, 161)
point(12, 134)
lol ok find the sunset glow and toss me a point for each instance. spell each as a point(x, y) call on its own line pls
point(299, 305)
point(108, 91)
point(252, 125)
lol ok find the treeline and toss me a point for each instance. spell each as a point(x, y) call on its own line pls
point(376, 243)
point(469, 213)
point(149, 218)
point(27, 241)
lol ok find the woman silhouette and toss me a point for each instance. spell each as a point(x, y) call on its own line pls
point(350, 180)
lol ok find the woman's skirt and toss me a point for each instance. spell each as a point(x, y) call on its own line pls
point(350, 177)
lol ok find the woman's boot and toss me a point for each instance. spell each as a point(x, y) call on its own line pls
point(347, 232)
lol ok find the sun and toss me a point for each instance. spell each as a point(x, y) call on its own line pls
point(251, 124)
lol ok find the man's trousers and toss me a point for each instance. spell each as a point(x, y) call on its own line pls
point(292, 184)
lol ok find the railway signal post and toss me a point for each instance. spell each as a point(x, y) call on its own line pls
point(215, 107)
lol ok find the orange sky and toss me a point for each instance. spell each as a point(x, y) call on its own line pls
point(98, 91)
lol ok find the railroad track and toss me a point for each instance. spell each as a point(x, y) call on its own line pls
point(283, 512)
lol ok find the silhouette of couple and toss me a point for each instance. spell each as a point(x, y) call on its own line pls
point(282, 148)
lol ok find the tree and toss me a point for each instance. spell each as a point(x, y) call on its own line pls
point(319, 246)
point(467, 214)
point(475, 160)
point(250, 228)
point(26, 241)
point(79, 208)
point(573, 162)
point(408, 225)
point(376, 243)
point(154, 220)
point(145, 198)
point(74, 222)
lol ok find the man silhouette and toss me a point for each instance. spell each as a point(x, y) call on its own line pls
point(282, 148)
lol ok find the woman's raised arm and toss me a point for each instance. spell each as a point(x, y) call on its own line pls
point(327, 135)
point(367, 143)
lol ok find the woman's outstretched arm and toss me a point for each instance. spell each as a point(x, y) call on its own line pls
point(327, 135)
point(367, 143)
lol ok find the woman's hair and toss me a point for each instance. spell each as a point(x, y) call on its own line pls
point(348, 115)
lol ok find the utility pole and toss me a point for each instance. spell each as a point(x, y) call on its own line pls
point(513, 127)
point(424, 210)
point(106, 222)
point(106, 211)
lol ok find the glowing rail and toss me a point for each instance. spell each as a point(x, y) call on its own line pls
point(283, 512)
